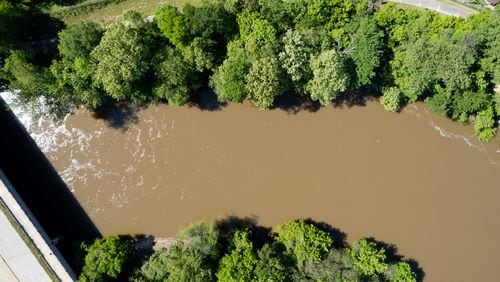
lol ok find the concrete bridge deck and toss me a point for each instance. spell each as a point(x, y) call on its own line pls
point(26, 253)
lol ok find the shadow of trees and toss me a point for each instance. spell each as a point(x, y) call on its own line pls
point(293, 103)
point(119, 116)
point(353, 98)
point(259, 235)
point(206, 100)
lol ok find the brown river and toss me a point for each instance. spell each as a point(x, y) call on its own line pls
point(412, 179)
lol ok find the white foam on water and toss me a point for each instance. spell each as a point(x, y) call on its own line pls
point(450, 135)
point(51, 135)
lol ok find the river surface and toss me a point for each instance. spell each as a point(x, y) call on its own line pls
point(412, 179)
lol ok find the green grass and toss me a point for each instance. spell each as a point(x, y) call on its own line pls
point(113, 11)
point(34, 250)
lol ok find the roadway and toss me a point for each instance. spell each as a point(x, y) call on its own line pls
point(450, 9)
point(17, 262)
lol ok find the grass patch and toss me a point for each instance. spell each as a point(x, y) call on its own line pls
point(112, 11)
point(34, 250)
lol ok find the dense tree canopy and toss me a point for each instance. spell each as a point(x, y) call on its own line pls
point(122, 59)
point(258, 49)
point(295, 251)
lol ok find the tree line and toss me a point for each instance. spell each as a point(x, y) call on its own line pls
point(256, 50)
point(294, 251)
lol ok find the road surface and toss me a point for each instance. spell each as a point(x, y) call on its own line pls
point(440, 7)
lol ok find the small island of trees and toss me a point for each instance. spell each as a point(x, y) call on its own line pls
point(256, 50)
point(294, 251)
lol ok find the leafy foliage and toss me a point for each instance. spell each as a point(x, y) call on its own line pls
point(400, 272)
point(485, 127)
point(105, 259)
point(304, 242)
point(238, 265)
point(366, 49)
point(367, 258)
point(323, 47)
point(329, 77)
point(122, 58)
point(298, 251)
point(391, 99)
point(175, 79)
point(229, 79)
point(271, 264)
point(264, 82)
point(78, 40)
point(192, 258)
point(337, 266)
point(173, 24)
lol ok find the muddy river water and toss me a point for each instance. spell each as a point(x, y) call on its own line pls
point(411, 179)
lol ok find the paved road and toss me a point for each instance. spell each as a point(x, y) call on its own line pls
point(17, 263)
point(443, 8)
point(16, 259)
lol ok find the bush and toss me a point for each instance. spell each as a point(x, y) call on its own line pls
point(391, 99)
point(485, 125)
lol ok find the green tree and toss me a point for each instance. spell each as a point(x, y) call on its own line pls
point(240, 262)
point(175, 78)
point(22, 74)
point(329, 77)
point(336, 266)
point(271, 265)
point(264, 82)
point(155, 268)
point(303, 241)
point(440, 102)
point(391, 99)
point(366, 49)
point(414, 69)
point(400, 272)
point(74, 72)
point(468, 103)
point(75, 80)
point(255, 31)
point(78, 40)
point(367, 258)
point(228, 79)
point(299, 47)
point(105, 259)
point(485, 125)
point(192, 258)
point(122, 59)
point(201, 54)
point(173, 24)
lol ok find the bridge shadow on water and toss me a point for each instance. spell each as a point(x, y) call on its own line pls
point(260, 235)
point(42, 189)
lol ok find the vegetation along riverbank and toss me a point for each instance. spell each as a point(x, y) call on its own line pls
point(258, 50)
point(234, 250)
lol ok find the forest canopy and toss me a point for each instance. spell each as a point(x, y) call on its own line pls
point(239, 250)
point(258, 50)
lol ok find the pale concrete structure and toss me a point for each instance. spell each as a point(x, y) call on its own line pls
point(17, 261)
